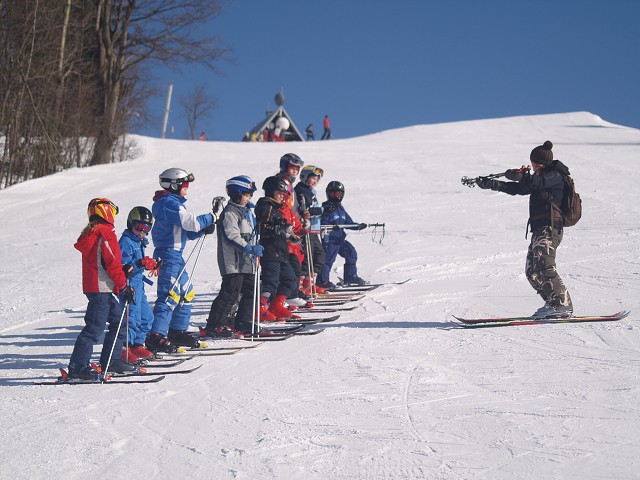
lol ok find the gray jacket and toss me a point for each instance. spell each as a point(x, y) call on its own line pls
point(235, 227)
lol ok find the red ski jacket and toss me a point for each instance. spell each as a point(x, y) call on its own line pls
point(298, 229)
point(101, 260)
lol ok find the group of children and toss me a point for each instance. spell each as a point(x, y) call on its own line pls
point(277, 253)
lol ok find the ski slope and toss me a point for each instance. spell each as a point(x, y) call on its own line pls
point(387, 391)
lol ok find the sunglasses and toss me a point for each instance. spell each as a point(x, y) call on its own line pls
point(103, 202)
point(142, 227)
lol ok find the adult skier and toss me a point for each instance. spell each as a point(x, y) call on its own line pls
point(545, 188)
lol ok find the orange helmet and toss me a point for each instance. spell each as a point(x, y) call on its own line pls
point(102, 208)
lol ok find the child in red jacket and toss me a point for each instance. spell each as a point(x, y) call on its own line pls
point(102, 279)
point(296, 256)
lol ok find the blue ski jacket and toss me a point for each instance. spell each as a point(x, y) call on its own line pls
point(174, 225)
point(338, 216)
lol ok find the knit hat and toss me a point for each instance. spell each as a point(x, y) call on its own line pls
point(542, 154)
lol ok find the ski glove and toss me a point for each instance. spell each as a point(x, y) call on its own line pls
point(155, 271)
point(127, 269)
point(329, 208)
point(210, 229)
point(515, 175)
point(147, 263)
point(485, 183)
point(359, 226)
point(217, 205)
point(256, 250)
point(128, 294)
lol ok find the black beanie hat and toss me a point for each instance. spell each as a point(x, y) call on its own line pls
point(542, 154)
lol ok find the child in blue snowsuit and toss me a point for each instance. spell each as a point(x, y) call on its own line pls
point(173, 226)
point(335, 240)
point(132, 246)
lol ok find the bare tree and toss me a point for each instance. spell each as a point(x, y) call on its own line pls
point(131, 32)
point(71, 75)
point(196, 106)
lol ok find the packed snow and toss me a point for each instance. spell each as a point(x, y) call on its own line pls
point(388, 391)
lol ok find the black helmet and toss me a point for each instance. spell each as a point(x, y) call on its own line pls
point(272, 185)
point(139, 215)
point(335, 191)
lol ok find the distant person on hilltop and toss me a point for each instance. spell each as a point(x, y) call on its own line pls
point(545, 188)
point(202, 137)
point(327, 129)
point(309, 132)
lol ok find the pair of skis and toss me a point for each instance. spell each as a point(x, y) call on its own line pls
point(118, 378)
point(521, 321)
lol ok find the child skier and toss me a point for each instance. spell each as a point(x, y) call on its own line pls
point(290, 165)
point(309, 206)
point(278, 278)
point(295, 298)
point(133, 242)
point(236, 249)
point(173, 226)
point(335, 240)
point(102, 279)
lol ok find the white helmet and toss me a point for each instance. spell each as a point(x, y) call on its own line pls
point(173, 179)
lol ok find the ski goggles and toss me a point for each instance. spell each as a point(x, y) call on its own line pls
point(311, 170)
point(188, 179)
point(142, 227)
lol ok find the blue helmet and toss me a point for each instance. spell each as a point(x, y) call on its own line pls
point(236, 186)
point(310, 170)
point(290, 159)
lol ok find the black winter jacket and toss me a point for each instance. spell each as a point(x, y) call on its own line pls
point(272, 227)
point(545, 190)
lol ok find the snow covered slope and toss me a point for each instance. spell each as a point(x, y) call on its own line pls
point(385, 392)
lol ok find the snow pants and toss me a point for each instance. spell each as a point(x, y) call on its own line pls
point(541, 270)
point(103, 309)
point(278, 278)
point(236, 289)
point(140, 315)
point(345, 250)
point(173, 305)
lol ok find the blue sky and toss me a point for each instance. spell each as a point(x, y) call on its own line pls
point(374, 65)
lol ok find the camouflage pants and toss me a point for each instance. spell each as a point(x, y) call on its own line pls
point(541, 267)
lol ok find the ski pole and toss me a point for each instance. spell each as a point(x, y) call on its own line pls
point(312, 283)
point(193, 269)
point(166, 299)
point(349, 226)
point(126, 308)
point(375, 231)
point(115, 340)
point(255, 320)
point(471, 182)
